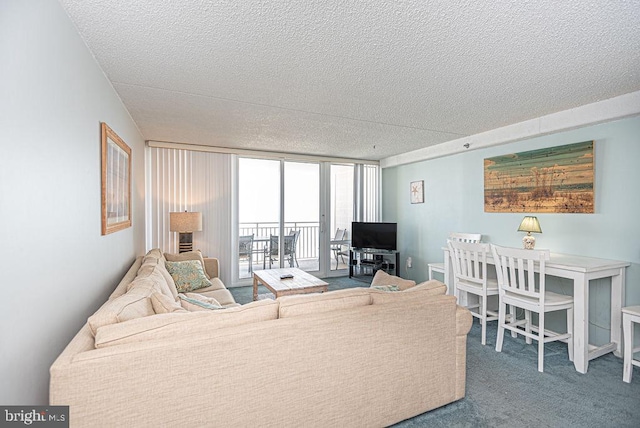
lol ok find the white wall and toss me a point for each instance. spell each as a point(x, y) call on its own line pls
point(454, 202)
point(57, 268)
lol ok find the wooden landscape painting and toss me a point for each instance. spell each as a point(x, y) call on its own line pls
point(552, 180)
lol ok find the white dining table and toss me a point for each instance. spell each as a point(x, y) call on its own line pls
point(581, 270)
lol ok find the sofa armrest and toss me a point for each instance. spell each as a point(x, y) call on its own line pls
point(464, 319)
point(211, 266)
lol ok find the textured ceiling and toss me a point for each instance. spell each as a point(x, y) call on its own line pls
point(352, 78)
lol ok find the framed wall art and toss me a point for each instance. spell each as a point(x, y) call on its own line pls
point(417, 192)
point(552, 180)
point(116, 182)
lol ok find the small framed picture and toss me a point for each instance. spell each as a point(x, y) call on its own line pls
point(417, 192)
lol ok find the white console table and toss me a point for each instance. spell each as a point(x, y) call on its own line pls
point(581, 270)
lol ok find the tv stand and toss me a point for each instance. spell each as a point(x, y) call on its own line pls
point(365, 262)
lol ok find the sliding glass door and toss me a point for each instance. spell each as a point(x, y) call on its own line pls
point(301, 214)
point(340, 217)
point(258, 212)
point(310, 204)
point(278, 198)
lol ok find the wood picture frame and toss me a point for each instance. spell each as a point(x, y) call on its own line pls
point(557, 179)
point(417, 192)
point(116, 182)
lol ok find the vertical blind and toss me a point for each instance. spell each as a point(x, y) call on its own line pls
point(185, 180)
point(366, 204)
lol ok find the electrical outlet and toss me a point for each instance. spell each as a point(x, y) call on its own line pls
point(409, 261)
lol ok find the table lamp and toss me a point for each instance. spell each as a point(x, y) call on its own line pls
point(185, 223)
point(529, 224)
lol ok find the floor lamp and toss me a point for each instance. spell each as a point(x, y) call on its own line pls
point(185, 223)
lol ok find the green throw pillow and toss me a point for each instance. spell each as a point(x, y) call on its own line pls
point(188, 275)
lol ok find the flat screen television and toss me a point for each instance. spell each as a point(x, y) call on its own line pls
point(381, 236)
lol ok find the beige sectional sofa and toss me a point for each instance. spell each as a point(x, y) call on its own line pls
point(354, 357)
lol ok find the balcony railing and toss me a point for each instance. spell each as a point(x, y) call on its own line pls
point(307, 247)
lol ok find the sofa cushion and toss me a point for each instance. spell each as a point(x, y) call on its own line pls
point(383, 278)
point(198, 302)
point(123, 308)
point(223, 296)
point(171, 285)
point(154, 253)
point(218, 291)
point(211, 267)
point(297, 305)
point(169, 326)
point(216, 284)
point(189, 255)
point(150, 276)
point(155, 268)
point(163, 304)
point(146, 269)
point(188, 275)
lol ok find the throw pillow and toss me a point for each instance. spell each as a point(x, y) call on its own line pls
point(189, 255)
point(383, 278)
point(197, 302)
point(386, 287)
point(187, 275)
point(432, 287)
point(163, 304)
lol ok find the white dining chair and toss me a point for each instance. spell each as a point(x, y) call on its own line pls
point(516, 271)
point(453, 236)
point(469, 262)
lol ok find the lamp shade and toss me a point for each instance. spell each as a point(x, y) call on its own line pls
point(530, 224)
point(185, 222)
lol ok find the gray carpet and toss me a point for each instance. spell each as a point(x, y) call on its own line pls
point(505, 389)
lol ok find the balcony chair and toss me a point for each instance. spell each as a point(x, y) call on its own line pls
point(515, 268)
point(338, 248)
point(290, 244)
point(245, 250)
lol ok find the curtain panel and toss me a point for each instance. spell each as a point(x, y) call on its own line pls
point(185, 180)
